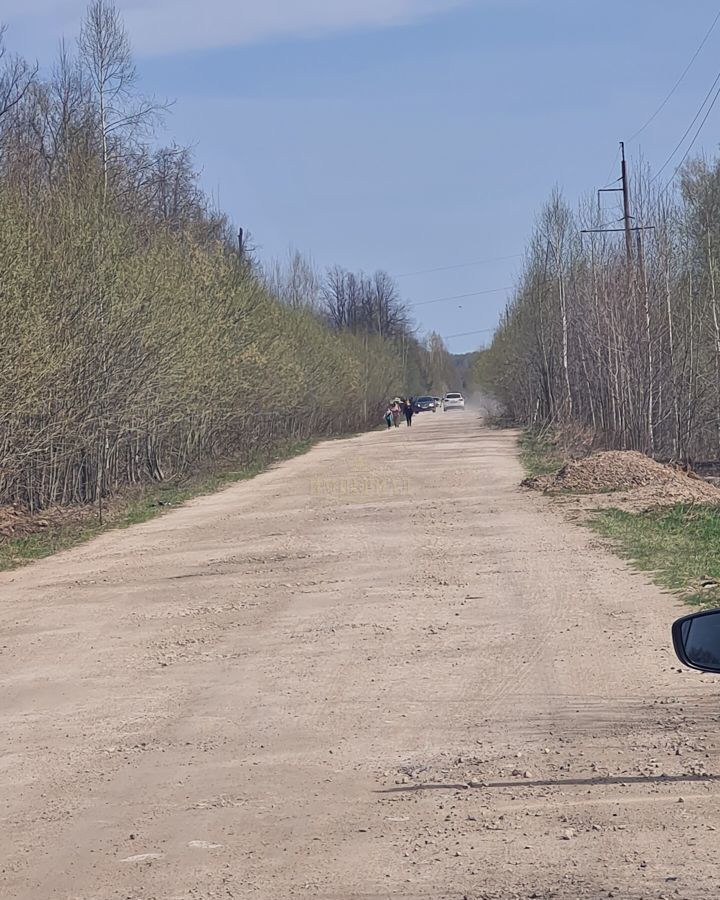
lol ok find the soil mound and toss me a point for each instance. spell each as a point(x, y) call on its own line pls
point(628, 471)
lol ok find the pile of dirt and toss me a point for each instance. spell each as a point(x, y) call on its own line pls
point(628, 472)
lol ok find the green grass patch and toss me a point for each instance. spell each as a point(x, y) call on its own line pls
point(137, 505)
point(539, 454)
point(680, 546)
point(20, 551)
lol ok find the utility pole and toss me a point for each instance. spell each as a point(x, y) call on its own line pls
point(636, 280)
point(628, 228)
point(626, 206)
point(241, 244)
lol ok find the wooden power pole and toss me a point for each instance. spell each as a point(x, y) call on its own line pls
point(626, 206)
point(628, 228)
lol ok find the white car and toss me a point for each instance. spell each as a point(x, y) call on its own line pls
point(453, 401)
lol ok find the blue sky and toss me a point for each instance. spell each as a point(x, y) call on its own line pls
point(408, 134)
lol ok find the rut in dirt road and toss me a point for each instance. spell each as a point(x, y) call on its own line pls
point(379, 670)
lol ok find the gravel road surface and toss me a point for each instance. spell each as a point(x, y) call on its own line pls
point(380, 670)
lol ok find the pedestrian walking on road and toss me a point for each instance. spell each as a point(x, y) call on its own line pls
point(408, 410)
point(396, 413)
point(389, 417)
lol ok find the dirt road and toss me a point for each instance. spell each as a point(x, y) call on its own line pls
point(380, 670)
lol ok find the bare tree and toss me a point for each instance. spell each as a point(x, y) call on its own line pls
point(295, 281)
point(366, 304)
point(107, 61)
point(16, 76)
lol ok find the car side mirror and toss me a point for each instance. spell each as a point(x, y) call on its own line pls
point(696, 639)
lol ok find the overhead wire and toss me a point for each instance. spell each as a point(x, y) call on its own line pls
point(612, 169)
point(477, 262)
point(666, 100)
point(459, 296)
point(449, 337)
point(689, 129)
point(695, 137)
point(680, 80)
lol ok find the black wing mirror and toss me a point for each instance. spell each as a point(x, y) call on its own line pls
point(697, 640)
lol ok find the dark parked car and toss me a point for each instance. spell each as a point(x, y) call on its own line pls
point(424, 404)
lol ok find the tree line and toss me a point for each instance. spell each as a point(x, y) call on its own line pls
point(136, 344)
point(622, 341)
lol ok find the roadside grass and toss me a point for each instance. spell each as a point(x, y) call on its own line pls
point(20, 551)
point(539, 454)
point(679, 545)
point(136, 506)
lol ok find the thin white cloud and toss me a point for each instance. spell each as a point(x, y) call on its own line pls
point(167, 26)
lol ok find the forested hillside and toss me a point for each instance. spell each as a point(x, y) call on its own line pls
point(135, 341)
point(627, 348)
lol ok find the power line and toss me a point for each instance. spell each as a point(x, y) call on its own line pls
point(689, 129)
point(697, 133)
point(477, 262)
point(612, 169)
point(449, 337)
point(460, 296)
point(679, 81)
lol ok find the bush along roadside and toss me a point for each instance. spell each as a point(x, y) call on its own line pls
point(140, 342)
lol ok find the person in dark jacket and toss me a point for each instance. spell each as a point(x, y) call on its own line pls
point(408, 410)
